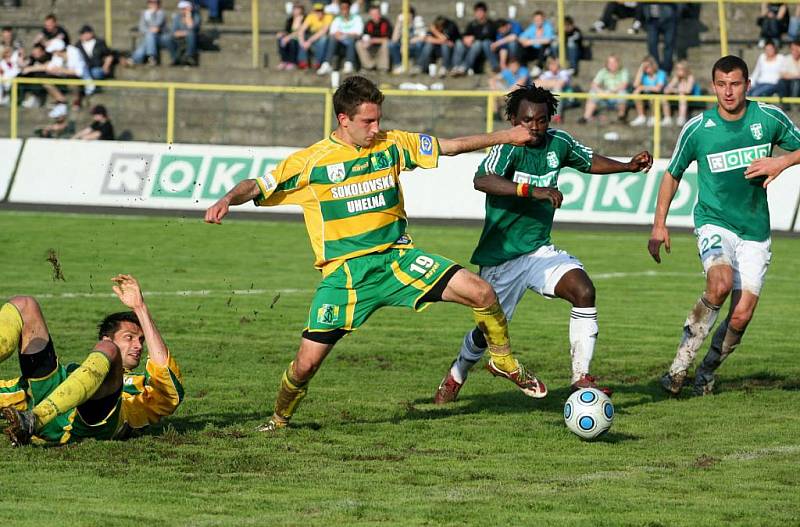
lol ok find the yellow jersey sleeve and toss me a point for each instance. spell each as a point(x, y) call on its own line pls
point(417, 150)
point(159, 395)
point(277, 186)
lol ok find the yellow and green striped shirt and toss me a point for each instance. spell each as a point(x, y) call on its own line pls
point(351, 196)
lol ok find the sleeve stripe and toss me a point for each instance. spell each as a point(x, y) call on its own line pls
point(681, 143)
point(493, 159)
point(792, 130)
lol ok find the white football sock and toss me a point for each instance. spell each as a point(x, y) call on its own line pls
point(469, 354)
point(695, 330)
point(583, 331)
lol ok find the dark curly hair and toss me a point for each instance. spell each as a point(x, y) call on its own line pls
point(533, 94)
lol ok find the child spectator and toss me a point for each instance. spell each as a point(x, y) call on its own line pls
point(649, 79)
point(681, 83)
point(289, 38)
point(374, 43)
point(314, 37)
point(555, 79)
point(99, 129)
point(611, 79)
point(767, 74)
point(152, 31)
point(534, 42)
point(505, 44)
point(509, 79)
point(416, 39)
point(344, 31)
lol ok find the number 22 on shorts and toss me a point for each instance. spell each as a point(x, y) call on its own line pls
point(712, 242)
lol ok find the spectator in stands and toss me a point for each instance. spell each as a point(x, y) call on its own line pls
point(766, 76)
point(98, 57)
point(182, 41)
point(289, 38)
point(345, 30)
point(153, 34)
point(556, 79)
point(314, 37)
point(66, 62)
point(534, 42)
point(214, 9)
point(574, 39)
point(439, 42)
point(416, 39)
point(505, 44)
point(611, 79)
point(9, 69)
point(649, 79)
point(774, 21)
point(661, 23)
point(476, 41)
point(8, 40)
point(681, 83)
point(790, 76)
point(511, 78)
point(614, 11)
point(59, 127)
point(333, 7)
point(51, 31)
point(373, 48)
point(99, 129)
point(794, 24)
point(36, 67)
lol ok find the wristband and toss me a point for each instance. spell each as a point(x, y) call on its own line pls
point(524, 190)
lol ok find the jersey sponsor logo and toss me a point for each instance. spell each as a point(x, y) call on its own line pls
point(128, 381)
point(328, 314)
point(365, 204)
point(336, 172)
point(552, 160)
point(739, 158)
point(757, 131)
point(363, 187)
point(710, 124)
point(381, 160)
point(268, 181)
point(546, 180)
point(425, 144)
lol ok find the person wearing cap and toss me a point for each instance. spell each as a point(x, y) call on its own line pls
point(185, 28)
point(50, 31)
point(289, 38)
point(152, 26)
point(98, 57)
point(314, 37)
point(66, 62)
point(99, 129)
point(344, 31)
point(60, 126)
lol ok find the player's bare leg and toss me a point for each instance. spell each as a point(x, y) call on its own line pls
point(471, 290)
point(719, 282)
point(577, 288)
point(726, 339)
point(294, 382)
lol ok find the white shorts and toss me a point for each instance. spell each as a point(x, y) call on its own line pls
point(539, 271)
point(749, 259)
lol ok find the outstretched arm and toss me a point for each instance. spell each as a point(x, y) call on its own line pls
point(771, 167)
point(660, 233)
point(129, 292)
point(495, 185)
point(243, 192)
point(519, 135)
point(605, 165)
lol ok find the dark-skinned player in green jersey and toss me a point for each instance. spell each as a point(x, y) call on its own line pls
point(515, 252)
point(732, 144)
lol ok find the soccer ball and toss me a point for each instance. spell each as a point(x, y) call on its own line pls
point(588, 413)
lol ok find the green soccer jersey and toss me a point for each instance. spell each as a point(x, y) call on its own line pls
point(515, 226)
point(723, 151)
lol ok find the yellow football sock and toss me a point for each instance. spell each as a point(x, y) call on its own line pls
point(290, 393)
point(75, 390)
point(493, 323)
point(10, 330)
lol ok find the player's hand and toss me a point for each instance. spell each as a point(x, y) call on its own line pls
point(771, 167)
point(217, 211)
point(519, 136)
point(553, 195)
point(658, 236)
point(641, 162)
point(128, 290)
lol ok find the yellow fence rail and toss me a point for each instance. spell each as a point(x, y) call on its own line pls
point(171, 88)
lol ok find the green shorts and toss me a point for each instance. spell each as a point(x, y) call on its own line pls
point(347, 297)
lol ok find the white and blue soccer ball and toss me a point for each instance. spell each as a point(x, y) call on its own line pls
point(588, 413)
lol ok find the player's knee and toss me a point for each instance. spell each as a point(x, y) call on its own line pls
point(584, 295)
point(110, 350)
point(304, 369)
point(484, 295)
point(740, 319)
point(26, 305)
point(718, 290)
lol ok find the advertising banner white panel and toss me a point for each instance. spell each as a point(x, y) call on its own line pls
point(192, 177)
point(9, 153)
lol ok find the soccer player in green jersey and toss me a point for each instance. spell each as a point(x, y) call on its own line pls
point(515, 252)
point(732, 144)
point(349, 187)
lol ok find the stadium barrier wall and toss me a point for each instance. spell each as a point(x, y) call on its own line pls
point(192, 177)
point(9, 153)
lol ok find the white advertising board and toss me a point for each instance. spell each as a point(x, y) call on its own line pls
point(192, 177)
point(9, 153)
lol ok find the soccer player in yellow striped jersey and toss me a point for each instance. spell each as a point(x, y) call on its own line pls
point(732, 144)
point(102, 398)
point(349, 188)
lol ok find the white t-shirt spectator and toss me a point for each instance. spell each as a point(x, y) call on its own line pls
point(352, 25)
point(767, 71)
point(74, 61)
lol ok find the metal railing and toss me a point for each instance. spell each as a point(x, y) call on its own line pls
point(327, 93)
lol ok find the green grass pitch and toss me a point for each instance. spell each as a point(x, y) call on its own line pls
point(368, 447)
